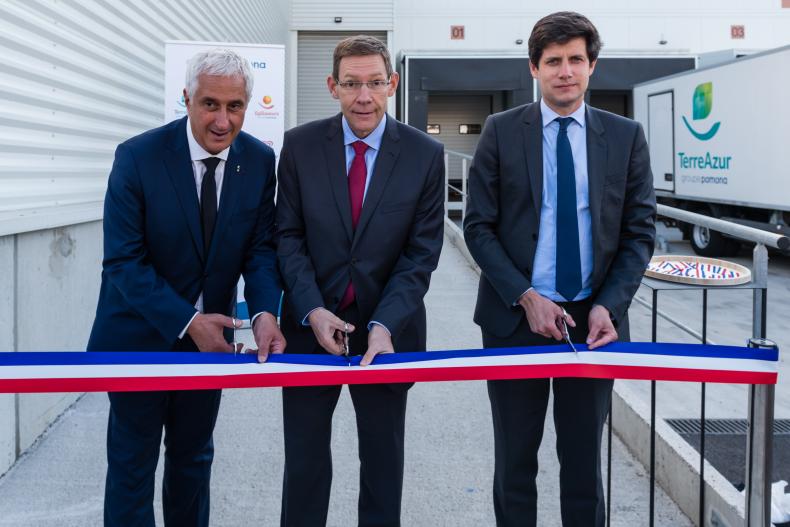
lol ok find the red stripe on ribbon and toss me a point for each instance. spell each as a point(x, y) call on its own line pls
point(371, 376)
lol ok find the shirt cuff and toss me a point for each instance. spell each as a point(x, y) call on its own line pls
point(305, 320)
point(522, 294)
point(370, 326)
point(184, 331)
point(252, 320)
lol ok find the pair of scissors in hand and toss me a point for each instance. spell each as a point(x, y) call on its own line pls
point(566, 336)
point(346, 349)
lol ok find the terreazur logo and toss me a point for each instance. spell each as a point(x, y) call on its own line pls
point(702, 103)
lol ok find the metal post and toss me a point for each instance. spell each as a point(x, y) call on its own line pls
point(652, 505)
point(464, 175)
point(759, 447)
point(447, 184)
point(609, 468)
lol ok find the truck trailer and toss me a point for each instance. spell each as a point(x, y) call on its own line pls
point(719, 139)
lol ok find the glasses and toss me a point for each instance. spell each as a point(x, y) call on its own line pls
point(378, 86)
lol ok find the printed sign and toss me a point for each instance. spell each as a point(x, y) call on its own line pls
point(265, 117)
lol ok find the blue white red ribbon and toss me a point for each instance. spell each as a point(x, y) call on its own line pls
point(25, 372)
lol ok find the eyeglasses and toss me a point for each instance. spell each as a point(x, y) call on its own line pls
point(378, 86)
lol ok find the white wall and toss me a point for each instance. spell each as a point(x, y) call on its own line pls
point(625, 26)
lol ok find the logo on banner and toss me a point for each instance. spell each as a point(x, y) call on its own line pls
point(258, 65)
point(702, 103)
point(267, 106)
point(181, 106)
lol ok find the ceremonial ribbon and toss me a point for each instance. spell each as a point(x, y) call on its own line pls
point(26, 372)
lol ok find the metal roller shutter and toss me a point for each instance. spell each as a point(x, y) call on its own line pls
point(314, 64)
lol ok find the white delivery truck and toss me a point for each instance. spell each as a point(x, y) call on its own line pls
point(720, 144)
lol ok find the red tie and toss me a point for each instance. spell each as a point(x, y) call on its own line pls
point(357, 175)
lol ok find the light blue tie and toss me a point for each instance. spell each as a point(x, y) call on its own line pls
point(569, 269)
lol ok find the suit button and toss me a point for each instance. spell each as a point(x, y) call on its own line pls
point(354, 261)
point(534, 237)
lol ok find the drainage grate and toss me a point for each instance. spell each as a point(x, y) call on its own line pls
point(723, 426)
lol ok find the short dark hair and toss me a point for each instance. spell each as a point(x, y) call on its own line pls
point(360, 45)
point(559, 28)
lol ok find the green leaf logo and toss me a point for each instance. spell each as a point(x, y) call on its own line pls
point(703, 101)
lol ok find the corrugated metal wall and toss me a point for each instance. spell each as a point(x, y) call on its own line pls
point(78, 77)
point(314, 64)
point(355, 14)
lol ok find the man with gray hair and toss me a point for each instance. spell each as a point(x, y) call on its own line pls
point(189, 208)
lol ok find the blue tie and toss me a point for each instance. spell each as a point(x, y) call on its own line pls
point(569, 270)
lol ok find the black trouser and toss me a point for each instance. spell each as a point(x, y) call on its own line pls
point(519, 411)
point(307, 420)
point(134, 433)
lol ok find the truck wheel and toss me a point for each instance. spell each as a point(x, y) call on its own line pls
point(707, 242)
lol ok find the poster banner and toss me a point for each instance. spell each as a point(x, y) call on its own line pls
point(265, 118)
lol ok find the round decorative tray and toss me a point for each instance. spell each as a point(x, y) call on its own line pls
point(697, 270)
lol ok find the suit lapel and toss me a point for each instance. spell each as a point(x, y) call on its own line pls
point(335, 153)
point(232, 180)
point(596, 167)
point(385, 162)
point(533, 149)
point(179, 168)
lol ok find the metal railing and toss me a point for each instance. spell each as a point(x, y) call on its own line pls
point(761, 397)
point(456, 181)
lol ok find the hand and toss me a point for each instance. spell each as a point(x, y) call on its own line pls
point(379, 341)
point(544, 316)
point(268, 336)
point(206, 331)
point(329, 330)
point(602, 330)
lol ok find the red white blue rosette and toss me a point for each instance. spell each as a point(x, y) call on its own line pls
point(697, 270)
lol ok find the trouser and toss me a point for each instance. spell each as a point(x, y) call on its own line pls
point(519, 410)
point(307, 419)
point(134, 433)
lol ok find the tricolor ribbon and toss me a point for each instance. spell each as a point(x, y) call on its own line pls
point(25, 372)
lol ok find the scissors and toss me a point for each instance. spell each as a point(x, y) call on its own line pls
point(565, 335)
point(345, 343)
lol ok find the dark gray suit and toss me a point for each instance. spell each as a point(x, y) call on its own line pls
point(390, 257)
point(501, 231)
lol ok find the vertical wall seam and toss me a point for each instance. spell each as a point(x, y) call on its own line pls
point(15, 338)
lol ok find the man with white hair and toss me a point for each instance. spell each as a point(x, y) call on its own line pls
point(189, 208)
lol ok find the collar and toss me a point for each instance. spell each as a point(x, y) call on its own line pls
point(548, 115)
point(197, 152)
point(373, 140)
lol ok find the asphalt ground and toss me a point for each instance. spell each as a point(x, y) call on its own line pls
point(449, 451)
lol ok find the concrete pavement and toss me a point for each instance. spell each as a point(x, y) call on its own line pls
point(449, 450)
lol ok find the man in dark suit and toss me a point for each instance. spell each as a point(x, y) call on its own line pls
point(360, 227)
point(189, 207)
point(561, 220)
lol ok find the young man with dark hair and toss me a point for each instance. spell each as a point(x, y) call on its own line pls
point(360, 211)
point(561, 220)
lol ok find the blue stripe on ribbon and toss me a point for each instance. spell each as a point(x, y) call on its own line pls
point(61, 358)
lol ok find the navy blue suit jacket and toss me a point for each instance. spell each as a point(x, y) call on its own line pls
point(154, 265)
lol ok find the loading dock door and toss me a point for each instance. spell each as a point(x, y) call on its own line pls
point(449, 112)
point(661, 139)
point(314, 64)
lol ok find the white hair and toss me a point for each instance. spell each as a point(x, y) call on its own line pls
point(220, 62)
